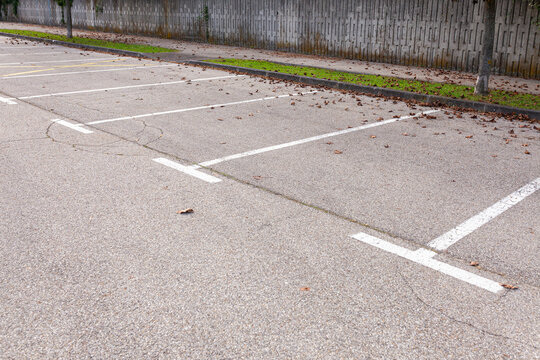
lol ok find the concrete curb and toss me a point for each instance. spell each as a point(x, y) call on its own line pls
point(430, 99)
point(79, 46)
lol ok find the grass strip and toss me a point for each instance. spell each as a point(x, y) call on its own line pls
point(89, 41)
point(500, 97)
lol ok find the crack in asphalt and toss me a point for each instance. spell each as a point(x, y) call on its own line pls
point(23, 140)
point(453, 319)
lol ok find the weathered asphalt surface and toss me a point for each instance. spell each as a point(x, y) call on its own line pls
point(95, 261)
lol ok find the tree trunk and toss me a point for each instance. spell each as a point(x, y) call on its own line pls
point(68, 19)
point(490, 10)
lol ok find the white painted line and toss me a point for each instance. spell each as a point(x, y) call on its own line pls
point(194, 108)
point(310, 139)
point(127, 87)
point(85, 72)
point(56, 61)
point(425, 258)
point(76, 127)
point(15, 46)
point(446, 240)
point(187, 170)
point(45, 53)
point(8, 101)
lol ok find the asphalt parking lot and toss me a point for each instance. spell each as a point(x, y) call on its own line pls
point(325, 224)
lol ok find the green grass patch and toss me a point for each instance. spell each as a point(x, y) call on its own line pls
point(501, 97)
point(89, 41)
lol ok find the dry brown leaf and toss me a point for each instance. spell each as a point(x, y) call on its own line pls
point(338, 152)
point(185, 211)
point(510, 287)
point(468, 137)
point(373, 136)
point(474, 263)
point(305, 289)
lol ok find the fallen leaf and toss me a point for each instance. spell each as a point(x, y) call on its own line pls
point(338, 152)
point(510, 287)
point(474, 263)
point(305, 289)
point(387, 146)
point(405, 134)
point(373, 136)
point(185, 211)
point(468, 137)
point(258, 177)
point(527, 152)
point(329, 143)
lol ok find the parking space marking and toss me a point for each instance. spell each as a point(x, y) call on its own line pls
point(14, 46)
point(127, 87)
point(72, 126)
point(54, 61)
point(424, 257)
point(45, 53)
point(194, 108)
point(446, 240)
point(18, 66)
point(185, 169)
point(28, 72)
point(29, 47)
point(87, 64)
point(8, 101)
point(89, 71)
point(306, 140)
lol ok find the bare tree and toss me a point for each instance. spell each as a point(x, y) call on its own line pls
point(66, 7)
point(482, 83)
